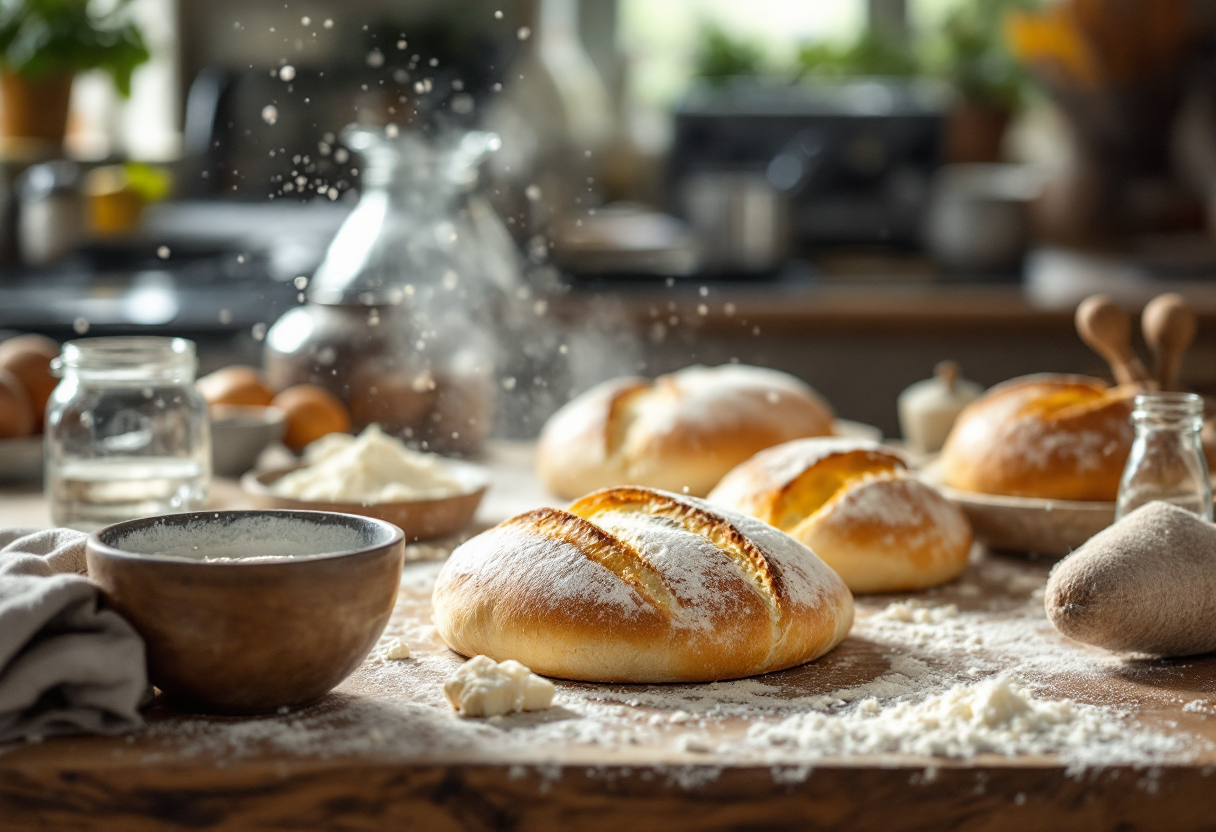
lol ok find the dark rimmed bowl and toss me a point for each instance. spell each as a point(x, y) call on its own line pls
point(242, 636)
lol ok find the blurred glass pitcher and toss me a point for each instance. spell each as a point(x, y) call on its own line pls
point(400, 318)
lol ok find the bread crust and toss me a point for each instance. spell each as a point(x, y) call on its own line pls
point(855, 505)
point(1048, 436)
point(634, 584)
point(682, 431)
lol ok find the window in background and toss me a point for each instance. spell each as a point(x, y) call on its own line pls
point(660, 41)
point(143, 127)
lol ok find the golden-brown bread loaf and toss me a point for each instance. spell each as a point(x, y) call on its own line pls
point(1056, 437)
point(855, 505)
point(681, 431)
point(638, 585)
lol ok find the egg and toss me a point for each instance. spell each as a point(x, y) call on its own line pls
point(16, 411)
point(235, 385)
point(311, 412)
point(28, 357)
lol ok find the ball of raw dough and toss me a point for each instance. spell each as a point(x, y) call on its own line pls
point(1145, 585)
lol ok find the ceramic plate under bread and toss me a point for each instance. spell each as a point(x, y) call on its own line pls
point(21, 459)
point(1026, 524)
point(419, 519)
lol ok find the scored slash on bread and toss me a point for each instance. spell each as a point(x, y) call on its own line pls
point(633, 584)
point(855, 505)
point(680, 432)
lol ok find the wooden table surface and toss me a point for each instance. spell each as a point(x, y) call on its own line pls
point(384, 751)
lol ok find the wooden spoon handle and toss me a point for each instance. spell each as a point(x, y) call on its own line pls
point(1107, 329)
point(1169, 328)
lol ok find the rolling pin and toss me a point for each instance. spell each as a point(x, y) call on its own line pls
point(1169, 328)
point(1107, 330)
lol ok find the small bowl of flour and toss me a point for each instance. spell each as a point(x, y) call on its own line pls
point(376, 475)
point(250, 611)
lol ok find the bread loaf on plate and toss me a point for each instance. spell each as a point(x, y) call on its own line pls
point(1056, 437)
point(638, 585)
point(681, 431)
point(855, 504)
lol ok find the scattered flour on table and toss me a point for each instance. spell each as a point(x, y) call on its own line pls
point(957, 683)
point(993, 716)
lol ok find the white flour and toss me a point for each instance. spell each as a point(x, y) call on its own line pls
point(954, 681)
point(248, 538)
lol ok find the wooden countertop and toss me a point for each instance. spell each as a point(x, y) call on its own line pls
point(889, 306)
point(384, 751)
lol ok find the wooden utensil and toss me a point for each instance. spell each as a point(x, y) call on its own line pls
point(1107, 330)
point(1169, 328)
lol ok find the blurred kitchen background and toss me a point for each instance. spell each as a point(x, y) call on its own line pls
point(850, 190)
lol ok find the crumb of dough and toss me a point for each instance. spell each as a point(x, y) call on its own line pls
point(483, 687)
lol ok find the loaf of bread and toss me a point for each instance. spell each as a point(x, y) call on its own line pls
point(856, 506)
point(638, 585)
point(1052, 436)
point(680, 432)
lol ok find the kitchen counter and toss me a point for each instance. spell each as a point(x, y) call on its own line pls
point(384, 751)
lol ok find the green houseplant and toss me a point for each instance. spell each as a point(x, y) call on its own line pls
point(43, 44)
point(971, 55)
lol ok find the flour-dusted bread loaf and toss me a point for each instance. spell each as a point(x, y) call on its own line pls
point(638, 585)
point(681, 431)
point(855, 505)
point(1050, 436)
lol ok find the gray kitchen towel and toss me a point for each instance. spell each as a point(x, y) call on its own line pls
point(66, 666)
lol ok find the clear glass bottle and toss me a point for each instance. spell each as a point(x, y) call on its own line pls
point(1166, 461)
point(127, 434)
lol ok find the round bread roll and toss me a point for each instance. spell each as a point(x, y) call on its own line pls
point(16, 411)
point(235, 385)
point(855, 505)
point(638, 585)
point(29, 357)
point(680, 432)
point(1056, 437)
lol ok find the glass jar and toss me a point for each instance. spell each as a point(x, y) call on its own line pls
point(1166, 461)
point(127, 434)
point(404, 314)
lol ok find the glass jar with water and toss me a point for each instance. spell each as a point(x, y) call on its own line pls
point(1166, 461)
point(127, 433)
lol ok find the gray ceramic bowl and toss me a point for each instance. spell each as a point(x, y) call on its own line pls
point(295, 602)
point(240, 434)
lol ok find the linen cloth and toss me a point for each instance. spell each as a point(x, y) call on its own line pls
point(66, 665)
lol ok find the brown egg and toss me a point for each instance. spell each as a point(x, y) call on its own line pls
point(16, 412)
point(29, 357)
point(235, 385)
point(312, 412)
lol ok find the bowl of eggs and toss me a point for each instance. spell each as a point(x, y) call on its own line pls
point(247, 417)
point(26, 382)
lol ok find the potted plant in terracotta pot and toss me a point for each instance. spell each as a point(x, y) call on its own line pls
point(43, 44)
point(971, 55)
